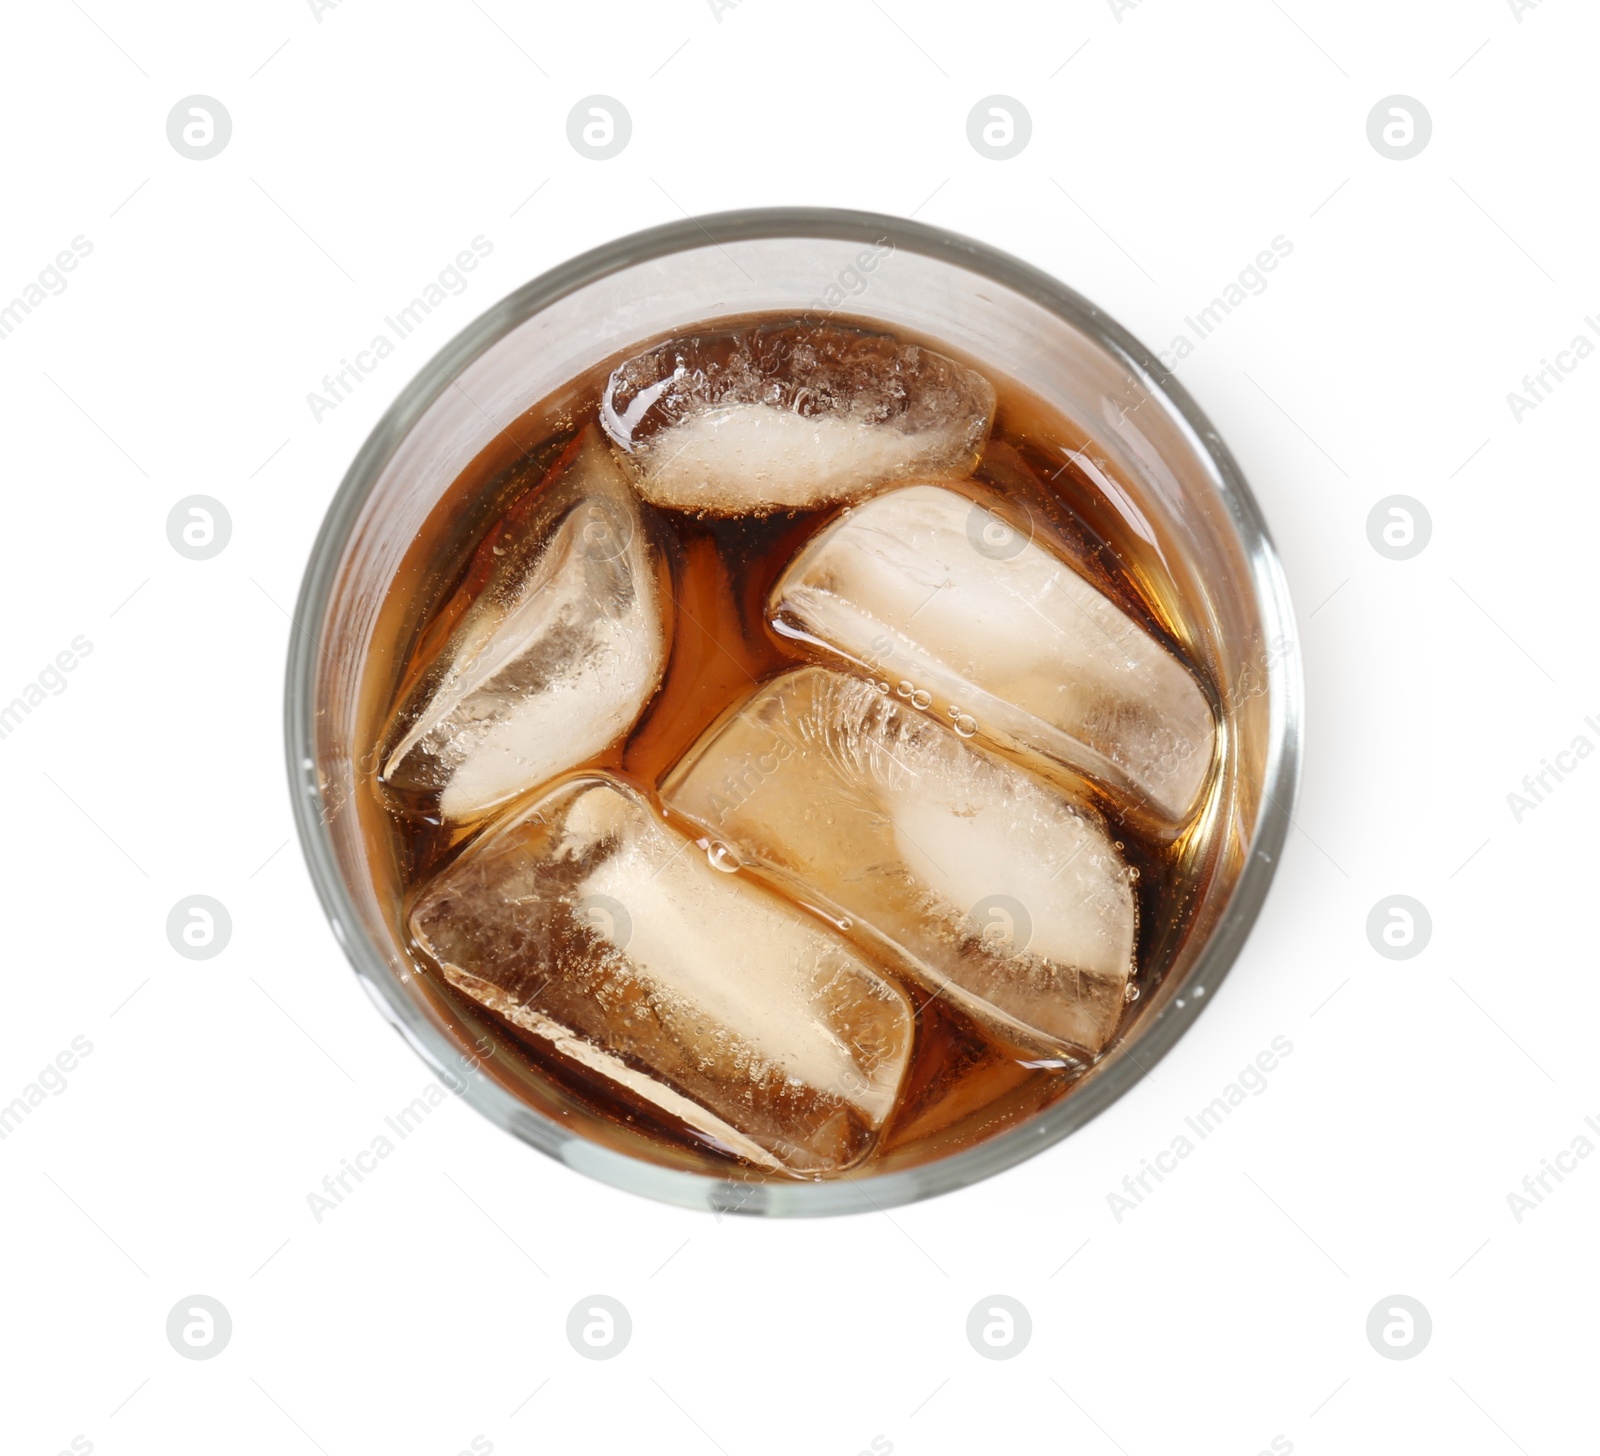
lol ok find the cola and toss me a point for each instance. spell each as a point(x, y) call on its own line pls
point(791, 753)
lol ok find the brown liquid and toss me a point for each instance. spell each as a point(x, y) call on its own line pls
point(964, 1084)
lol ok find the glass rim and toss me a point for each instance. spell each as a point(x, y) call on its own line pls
point(849, 1193)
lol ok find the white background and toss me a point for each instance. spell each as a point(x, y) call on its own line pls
point(1170, 145)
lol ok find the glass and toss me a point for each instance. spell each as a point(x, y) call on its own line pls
point(1196, 509)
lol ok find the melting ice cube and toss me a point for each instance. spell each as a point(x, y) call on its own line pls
point(998, 889)
point(929, 586)
point(785, 418)
point(555, 657)
point(588, 922)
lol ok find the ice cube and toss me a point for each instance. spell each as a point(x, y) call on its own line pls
point(559, 641)
point(762, 419)
point(933, 588)
point(998, 889)
point(587, 921)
